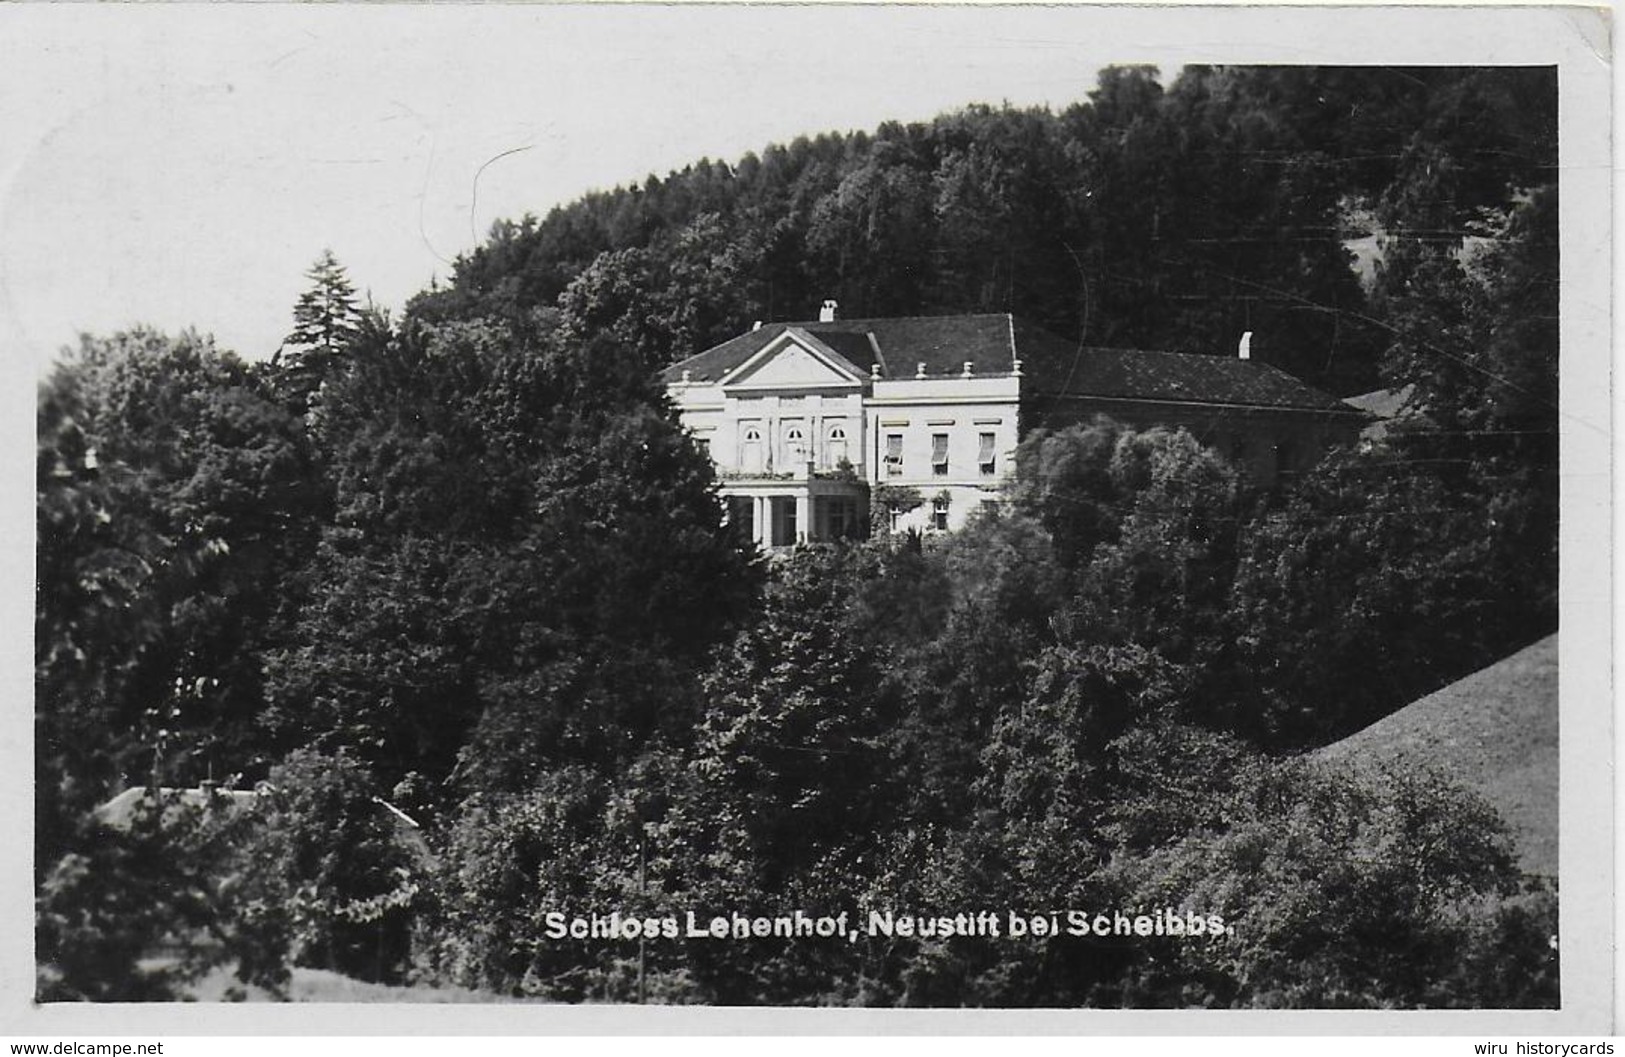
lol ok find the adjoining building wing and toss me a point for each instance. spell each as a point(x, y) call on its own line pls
point(1261, 417)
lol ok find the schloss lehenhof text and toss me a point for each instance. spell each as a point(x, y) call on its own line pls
point(852, 926)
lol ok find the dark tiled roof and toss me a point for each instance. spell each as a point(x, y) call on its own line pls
point(1056, 367)
point(942, 343)
point(852, 345)
point(718, 360)
point(1128, 374)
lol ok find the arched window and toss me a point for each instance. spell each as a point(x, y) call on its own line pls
point(795, 443)
point(837, 445)
point(750, 450)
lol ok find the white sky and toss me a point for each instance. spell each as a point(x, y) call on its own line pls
point(185, 165)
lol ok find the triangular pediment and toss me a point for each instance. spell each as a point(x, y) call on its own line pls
point(795, 360)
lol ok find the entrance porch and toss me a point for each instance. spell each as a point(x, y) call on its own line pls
point(780, 514)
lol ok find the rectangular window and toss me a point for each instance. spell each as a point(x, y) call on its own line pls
point(939, 454)
point(841, 518)
point(939, 513)
point(742, 513)
point(783, 510)
point(894, 454)
point(985, 459)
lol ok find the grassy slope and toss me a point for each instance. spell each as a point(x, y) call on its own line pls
point(1494, 732)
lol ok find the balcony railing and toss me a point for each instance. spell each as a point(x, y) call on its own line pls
point(800, 472)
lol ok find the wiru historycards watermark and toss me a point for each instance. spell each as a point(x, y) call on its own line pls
point(862, 924)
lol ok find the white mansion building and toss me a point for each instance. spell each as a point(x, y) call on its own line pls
point(806, 421)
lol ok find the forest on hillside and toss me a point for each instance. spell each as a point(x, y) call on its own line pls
point(1143, 217)
point(466, 562)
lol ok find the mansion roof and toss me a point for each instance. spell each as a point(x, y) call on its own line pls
point(993, 343)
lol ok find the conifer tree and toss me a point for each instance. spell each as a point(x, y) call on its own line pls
point(325, 320)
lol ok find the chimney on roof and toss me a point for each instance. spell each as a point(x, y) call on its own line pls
point(827, 313)
point(1245, 349)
